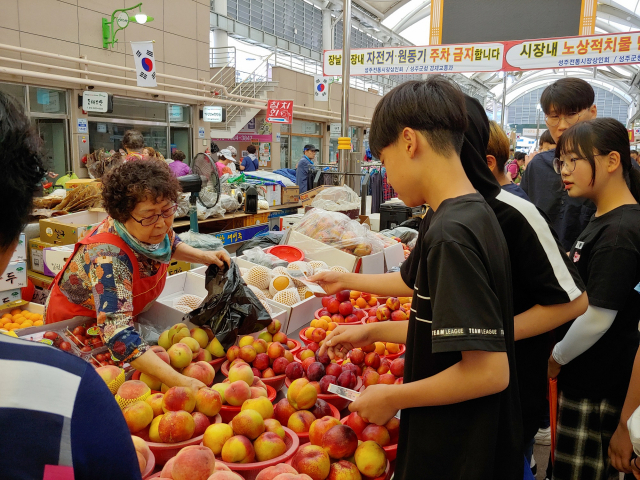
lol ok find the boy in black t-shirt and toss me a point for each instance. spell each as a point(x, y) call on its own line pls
point(461, 417)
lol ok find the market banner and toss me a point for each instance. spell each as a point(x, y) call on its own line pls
point(586, 51)
point(481, 57)
point(564, 52)
point(145, 63)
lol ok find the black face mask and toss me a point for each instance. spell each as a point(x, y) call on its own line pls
point(474, 150)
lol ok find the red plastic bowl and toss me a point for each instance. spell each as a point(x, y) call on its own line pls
point(393, 356)
point(217, 363)
point(304, 437)
point(391, 451)
point(317, 316)
point(385, 476)
point(304, 339)
point(276, 382)
point(251, 470)
point(297, 348)
point(228, 412)
point(165, 451)
point(151, 465)
point(338, 402)
point(287, 253)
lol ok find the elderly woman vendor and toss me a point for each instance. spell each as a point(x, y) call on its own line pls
point(120, 267)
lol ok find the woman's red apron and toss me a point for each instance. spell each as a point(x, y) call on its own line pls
point(145, 290)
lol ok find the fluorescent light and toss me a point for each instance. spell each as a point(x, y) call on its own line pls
point(141, 18)
point(250, 59)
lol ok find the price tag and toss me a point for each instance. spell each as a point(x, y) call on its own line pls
point(300, 276)
point(94, 331)
point(349, 394)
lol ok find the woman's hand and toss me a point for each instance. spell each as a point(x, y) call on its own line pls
point(331, 282)
point(375, 405)
point(219, 258)
point(191, 383)
point(345, 338)
point(620, 449)
point(553, 369)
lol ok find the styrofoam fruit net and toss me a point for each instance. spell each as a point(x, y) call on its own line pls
point(258, 292)
point(116, 382)
point(267, 294)
point(183, 308)
point(190, 301)
point(279, 283)
point(287, 297)
point(303, 267)
point(318, 265)
point(279, 271)
point(304, 293)
point(125, 402)
point(259, 277)
point(266, 306)
point(338, 268)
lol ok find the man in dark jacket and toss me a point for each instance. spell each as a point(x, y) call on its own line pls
point(304, 164)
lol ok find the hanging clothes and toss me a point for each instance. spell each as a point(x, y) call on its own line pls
point(376, 191)
point(388, 190)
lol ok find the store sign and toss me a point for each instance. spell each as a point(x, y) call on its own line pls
point(563, 52)
point(531, 132)
point(335, 129)
point(212, 114)
point(279, 111)
point(176, 113)
point(200, 132)
point(95, 101)
point(53, 105)
point(486, 57)
point(240, 137)
point(83, 125)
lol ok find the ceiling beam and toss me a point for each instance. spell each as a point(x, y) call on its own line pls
point(410, 18)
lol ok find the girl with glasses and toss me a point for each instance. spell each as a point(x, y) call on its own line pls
point(120, 267)
point(594, 359)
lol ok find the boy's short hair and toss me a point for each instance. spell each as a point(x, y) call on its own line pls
point(498, 145)
point(519, 155)
point(251, 149)
point(567, 95)
point(547, 138)
point(435, 107)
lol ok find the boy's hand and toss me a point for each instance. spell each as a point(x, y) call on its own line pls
point(331, 282)
point(344, 339)
point(553, 370)
point(620, 449)
point(375, 404)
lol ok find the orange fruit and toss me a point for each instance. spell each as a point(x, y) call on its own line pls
point(6, 315)
point(16, 311)
point(38, 323)
point(332, 326)
point(314, 323)
point(380, 348)
point(323, 324)
point(361, 303)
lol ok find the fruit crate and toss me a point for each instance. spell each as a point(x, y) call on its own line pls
point(47, 337)
point(97, 359)
point(257, 219)
point(85, 337)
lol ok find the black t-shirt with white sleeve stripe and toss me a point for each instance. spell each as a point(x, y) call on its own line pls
point(462, 302)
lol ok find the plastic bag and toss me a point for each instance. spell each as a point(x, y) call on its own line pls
point(335, 199)
point(231, 308)
point(229, 203)
point(263, 241)
point(183, 206)
point(259, 257)
point(405, 234)
point(263, 205)
point(201, 241)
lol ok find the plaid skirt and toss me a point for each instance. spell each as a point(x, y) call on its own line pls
point(585, 428)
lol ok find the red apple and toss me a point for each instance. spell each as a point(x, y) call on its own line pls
point(343, 295)
point(334, 306)
point(345, 309)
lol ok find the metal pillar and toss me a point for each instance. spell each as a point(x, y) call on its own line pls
point(346, 73)
point(504, 101)
point(537, 126)
point(327, 30)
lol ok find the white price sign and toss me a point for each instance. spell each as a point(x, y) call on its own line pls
point(95, 101)
point(212, 114)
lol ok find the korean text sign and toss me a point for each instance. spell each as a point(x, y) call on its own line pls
point(279, 111)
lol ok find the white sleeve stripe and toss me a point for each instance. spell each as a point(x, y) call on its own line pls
point(546, 239)
point(423, 320)
point(422, 297)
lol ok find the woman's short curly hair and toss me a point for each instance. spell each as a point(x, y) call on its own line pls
point(133, 140)
point(133, 182)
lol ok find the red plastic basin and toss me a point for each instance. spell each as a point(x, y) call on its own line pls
point(393, 356)
point(385, 476)
point(217, 363)
point(276, 382)
point(151, 465)
point(165, 451)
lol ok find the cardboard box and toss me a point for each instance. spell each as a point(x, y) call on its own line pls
point(42, 286)
point(10, 295)
point(36, 254)
point(290, 195)
point(22, 305)
point(307, 197)
point(274, 195)
point(15, 276)
point(290, 221)
point(176, 266)
point(79, 182)
point(55, 258)
point(20, 253)
point(68, 229)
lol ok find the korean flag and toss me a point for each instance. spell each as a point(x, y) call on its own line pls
point(320, 88)
point(145, 63)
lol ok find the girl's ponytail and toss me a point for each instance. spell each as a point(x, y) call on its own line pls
point(634, 183)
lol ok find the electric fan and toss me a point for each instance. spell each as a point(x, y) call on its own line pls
point(203, 184)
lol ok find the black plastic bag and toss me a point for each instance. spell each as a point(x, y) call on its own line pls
point(231, 308)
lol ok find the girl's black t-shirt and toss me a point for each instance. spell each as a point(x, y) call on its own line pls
point(607, 255)
point(462, 301)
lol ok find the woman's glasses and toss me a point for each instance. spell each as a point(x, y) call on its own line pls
point(148, 221)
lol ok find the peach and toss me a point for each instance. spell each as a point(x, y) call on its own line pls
point(376, 433)
point(221, 467)
point(179, 398)
point(291, 476)
point(166, 470)
point(210, 372)
point(320, 427)
point(313, 461)
point(272, 472)
point(140, 446)
point(300, 421)
point(248, 423)
point(208, 402)
point(261, 405)
point(257, 392)
point(387, 379)
point(268, 373)
point(194, 370)
point(347, 379)
point(368, 348)
point(301, 395)
point(384, 367)
point(181, 335)
point(164, 341)
point(316, 385)
point(281, 338)
point(357, 423)
point(393, 303)
point(241, 372)
point(201, 421)
point(340, 441)
point(262, 361)
point(138, 415)
point(399, 316)
point(237, 361)
point(215, 437)
point(393, 427)
point(200, 336)
point(343, 295)
point(360, 314)
point(180, 355)
point(294, 371)
point(193, 463)
point(275, 350)
point(221, 388)
point(237, 392)
point(258, 383)
point(325, 301)
point(154, 435)
point(274, 327)
point(280, 365)
point(108, 373)
point(370, 459)
point(383, 313)
point(306, 353)
point(291, 344)
point(345, 309)
point(238, 449)
point(176, 427)
point(283, 410)
point(215, 348)
point(274, 426)
point(173, 330)
point(233, 353)
point(268, 446)
point(193, 345)
point(225, 475)
point(248, 353)
point(266, 336)
point(246, 340)
point(155, 401)
point(203, 356)
point(321, 409)
point(398, 381)
point(260, 346)
point(337, 318)
point(370, 377)
point(344, 470)
point(132, 389)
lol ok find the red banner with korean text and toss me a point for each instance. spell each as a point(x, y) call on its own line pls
point(551, 53)
point(279, 111)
